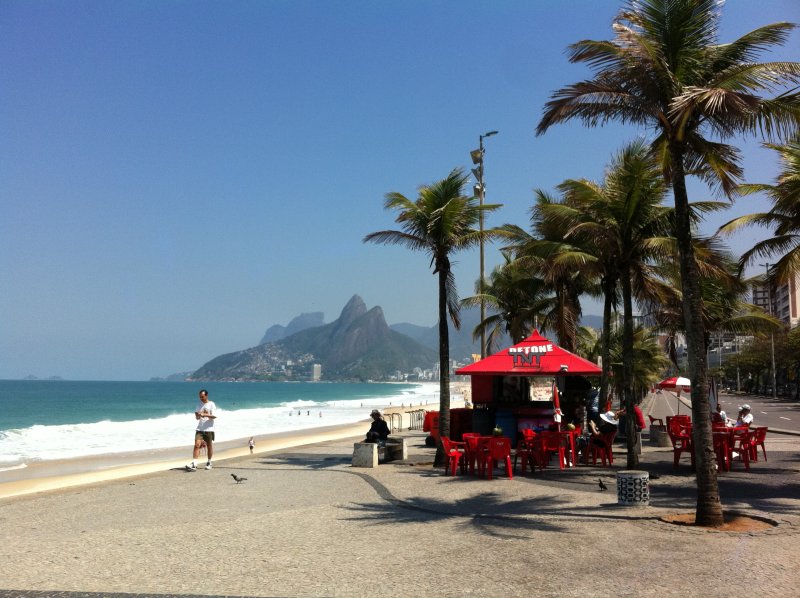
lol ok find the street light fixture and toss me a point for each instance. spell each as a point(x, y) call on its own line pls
point(771, 334)
point(480, 191)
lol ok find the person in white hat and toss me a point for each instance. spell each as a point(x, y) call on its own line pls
point(745, 418)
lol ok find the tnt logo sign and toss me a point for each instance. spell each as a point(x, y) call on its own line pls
point(525, 356)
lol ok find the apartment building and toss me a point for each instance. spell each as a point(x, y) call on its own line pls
point(780, 300)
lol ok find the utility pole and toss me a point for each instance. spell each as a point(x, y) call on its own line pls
point(480, 191)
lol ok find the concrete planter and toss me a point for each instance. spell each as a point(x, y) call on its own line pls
point(659, 436)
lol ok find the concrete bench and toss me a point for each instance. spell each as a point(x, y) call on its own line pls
point(369, 454)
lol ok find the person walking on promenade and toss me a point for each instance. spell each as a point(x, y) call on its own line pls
point(251, 444)
point(205, 414)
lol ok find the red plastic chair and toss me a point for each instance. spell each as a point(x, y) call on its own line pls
point(721, 449)
point(526, 450)
point(553, 442)
point(606, 451)
point(655, 420)
point(757, 440)
point(498, 451)
point(472, 454)
point(453, 451)
point(681, 437)
point(740, 444)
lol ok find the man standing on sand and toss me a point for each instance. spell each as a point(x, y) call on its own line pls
point(205, 416)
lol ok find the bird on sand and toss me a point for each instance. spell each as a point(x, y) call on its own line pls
point(238, 479)
point(601, 484)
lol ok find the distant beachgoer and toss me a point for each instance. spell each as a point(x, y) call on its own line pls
point(298, 412)
point(320, 413)
point(379, 429)
point(252, 444)
point(308, 412)
point(205, 415)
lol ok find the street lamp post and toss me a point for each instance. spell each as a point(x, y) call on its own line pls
point(480, 191)
point(771, 334)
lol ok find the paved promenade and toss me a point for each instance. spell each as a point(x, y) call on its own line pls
point(306, 523)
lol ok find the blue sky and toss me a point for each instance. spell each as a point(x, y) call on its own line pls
point(175, 176)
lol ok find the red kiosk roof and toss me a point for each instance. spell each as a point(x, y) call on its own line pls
point(535, 356)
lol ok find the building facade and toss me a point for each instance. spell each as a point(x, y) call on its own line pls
point(779, 300)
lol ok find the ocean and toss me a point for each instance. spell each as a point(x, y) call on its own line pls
point(47, 420)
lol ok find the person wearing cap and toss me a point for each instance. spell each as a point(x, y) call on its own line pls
point(379, 429)
point(745, 418)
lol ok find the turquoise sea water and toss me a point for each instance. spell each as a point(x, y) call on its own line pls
point(43, 420)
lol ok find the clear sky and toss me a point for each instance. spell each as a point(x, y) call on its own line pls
point(177, 176)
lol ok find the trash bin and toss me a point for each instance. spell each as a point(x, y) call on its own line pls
point(633, 488)
point(659, 436)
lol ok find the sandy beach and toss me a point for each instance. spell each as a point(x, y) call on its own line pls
point(306, 523)
point(54, 475)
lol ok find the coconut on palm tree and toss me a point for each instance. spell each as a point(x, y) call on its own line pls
point(666, 70)
point(440, 222)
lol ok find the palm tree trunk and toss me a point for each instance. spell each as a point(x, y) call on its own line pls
point(608, 292)
point(709, 506)
point(627, 365)
point(444, 367)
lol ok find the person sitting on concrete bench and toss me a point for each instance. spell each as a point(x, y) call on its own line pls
point(378, 430)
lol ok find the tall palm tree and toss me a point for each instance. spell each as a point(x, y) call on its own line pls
point(517, 299)
point(784, 215)
point(539, 251)
point(665, 69)
point(440, 222)
point(621, 226)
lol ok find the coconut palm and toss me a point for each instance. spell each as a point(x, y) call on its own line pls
point(518, 300)
point(648, 361)
point(784, 216)
point(665, 69)
point(539, 252)
point(440, 222)
point(622, 228)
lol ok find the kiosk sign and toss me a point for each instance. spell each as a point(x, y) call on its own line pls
point(525, 356)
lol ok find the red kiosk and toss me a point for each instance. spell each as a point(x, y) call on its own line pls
point(526, 385)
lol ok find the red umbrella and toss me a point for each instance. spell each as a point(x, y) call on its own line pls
point(556, 404)
point(676, 382)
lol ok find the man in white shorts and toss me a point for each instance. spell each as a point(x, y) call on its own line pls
point(205, 414)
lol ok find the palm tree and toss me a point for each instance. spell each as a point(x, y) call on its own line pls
point(440, 222)
point(784, 215)
point(539, 253)
point(622, 228)
point(518, 300)
point(664, 69)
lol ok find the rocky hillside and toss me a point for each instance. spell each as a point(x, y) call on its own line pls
point(358, 345)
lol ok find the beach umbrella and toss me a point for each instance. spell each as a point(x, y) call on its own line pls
point(676, 382)
point(556, 404)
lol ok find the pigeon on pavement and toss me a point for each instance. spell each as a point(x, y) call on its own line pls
point(238, 479)
point(602, 485)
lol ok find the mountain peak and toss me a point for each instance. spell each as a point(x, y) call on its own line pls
point(354, 309)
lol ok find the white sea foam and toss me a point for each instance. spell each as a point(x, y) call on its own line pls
point(44, 443)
